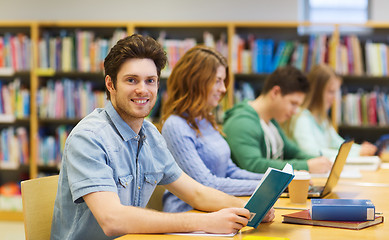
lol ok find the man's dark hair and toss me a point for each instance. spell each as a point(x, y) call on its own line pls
point(134, 46)
point(289, 79)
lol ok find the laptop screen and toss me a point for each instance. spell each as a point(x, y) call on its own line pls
point(337, 167)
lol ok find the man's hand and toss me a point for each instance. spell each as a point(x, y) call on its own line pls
point(269, 216)
point(367, 149)
point(319, 165)
point(227, 220)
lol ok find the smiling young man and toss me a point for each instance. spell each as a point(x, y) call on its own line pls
point(252, 131)
point(113, 160)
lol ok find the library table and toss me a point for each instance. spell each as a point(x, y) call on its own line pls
point(372, 185)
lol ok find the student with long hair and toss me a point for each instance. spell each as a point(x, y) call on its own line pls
point(311, 128)
point(195, 87)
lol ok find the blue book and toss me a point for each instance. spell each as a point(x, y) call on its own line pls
point(342, 209)
point(278, 55)
point(268, 191)
point(268, 56)
point(259, 55)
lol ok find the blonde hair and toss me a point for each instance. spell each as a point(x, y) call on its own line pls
point(318, 78)
point(189, 84)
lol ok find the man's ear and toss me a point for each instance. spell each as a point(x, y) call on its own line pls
point(109, 84)
point(275, 91)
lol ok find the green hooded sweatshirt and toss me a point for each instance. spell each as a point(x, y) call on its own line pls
point(246, 139)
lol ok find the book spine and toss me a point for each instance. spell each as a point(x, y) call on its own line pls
point(343, 213)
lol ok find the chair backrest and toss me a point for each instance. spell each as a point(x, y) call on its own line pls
point(38, 196)
point(155, 201)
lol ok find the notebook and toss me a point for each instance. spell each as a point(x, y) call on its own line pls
point(333, 178)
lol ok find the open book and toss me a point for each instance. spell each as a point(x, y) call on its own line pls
point(268, 191)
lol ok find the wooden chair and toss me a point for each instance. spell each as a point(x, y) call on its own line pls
point(38, 196)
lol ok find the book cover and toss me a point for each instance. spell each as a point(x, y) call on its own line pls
point(278, 54)
point(286, 54)
point(259, 43)
point(358, 59)
point(342, 209)
point(268, 191)
point(303, 217)
point(268, 55)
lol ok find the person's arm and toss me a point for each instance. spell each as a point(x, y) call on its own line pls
point(314, 164)
point(116, 219)
point(246, 140)
point(181, 141)
point(205, 198)
point(306, 135)
point(234, 171)
point(367, 149)
point(364, 149)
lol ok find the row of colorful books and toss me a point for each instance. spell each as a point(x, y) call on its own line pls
point(264, 55)
point(67, 98)
point(176, 48)
point(13, 147)
point(80, 50)
point(15, 51)
point(361, 108)
point(51, 145)
point(365, 108)
point(84, 52)
point(14, 99)
point(377, 59)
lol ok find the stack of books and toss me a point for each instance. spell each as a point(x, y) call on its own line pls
point(337, 213)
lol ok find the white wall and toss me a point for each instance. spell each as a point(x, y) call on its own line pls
point(163, 10)
point(150, 10)
point(379, 10)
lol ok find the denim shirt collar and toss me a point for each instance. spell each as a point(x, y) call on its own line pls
point(123, 128)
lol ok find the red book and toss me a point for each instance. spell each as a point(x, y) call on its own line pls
point(372, 109)
point(303, 217)
point(1, 52)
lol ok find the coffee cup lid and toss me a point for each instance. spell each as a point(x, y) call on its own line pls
point(301, 175)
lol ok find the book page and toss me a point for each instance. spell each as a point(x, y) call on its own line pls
point(203, 234)
point(288, 168)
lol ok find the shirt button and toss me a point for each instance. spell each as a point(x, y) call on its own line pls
point(155, 181)
point(138, 187)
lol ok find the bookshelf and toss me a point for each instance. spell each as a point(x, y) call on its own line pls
point(44, 73)
point(69, 83)
point(15, 79)
point(372, 84)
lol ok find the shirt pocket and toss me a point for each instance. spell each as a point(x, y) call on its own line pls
point(151, 181)
point(125, 189)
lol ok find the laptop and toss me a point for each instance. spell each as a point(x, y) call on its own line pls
point(333, 178)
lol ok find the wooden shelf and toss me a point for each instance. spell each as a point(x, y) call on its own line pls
point(250, 77)
point(364, 128)
point(363, 133)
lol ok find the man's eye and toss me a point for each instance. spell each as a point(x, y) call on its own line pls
point(150, 80)
point(131, 80)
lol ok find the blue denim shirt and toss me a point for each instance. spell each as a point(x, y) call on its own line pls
point(101, 155)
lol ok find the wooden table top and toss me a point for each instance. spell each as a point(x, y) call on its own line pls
point(372, 185)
